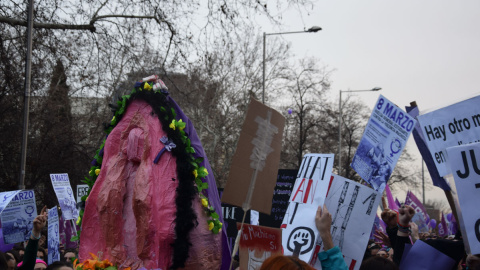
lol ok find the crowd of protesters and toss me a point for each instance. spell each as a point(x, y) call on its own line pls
point(385, 254)
point(33, 255)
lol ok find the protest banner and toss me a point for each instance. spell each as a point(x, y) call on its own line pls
point(464, 163)
point(415, 203)
point(382, 143)
point(417, 133)
point(82, 190)
point(53, 236)
point(310, 190)
point(442, 227)
point(257, 243)
point(453, 125)
point(353, 207)
point(64, 192)
point(281, 194)
point(19, 211)
point(256, 157)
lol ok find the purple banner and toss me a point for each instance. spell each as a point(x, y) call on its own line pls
point(391, 202)
point(442, 227)
point(416, 204)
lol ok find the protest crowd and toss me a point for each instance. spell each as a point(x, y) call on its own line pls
point(327, 221)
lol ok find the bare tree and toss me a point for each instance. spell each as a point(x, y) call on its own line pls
point(304, 87)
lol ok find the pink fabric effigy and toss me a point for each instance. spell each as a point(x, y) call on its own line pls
point(130, 214)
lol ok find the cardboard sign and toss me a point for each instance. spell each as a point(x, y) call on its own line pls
point(382, 143)
point(64, 192)
point(17, 215)
point(464, 162)
point(281, 194)
point(53, 236)
point(299, 231)
point(257, 243)
point(453, 125)
point(353, 208)
point(257, 157)
point(82, 190)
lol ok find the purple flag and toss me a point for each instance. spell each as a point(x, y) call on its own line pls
point(391, 202)
point(427, 157)
point(398, 203)
point(378, 225)
point(452, 226)
point(416, 204)
point(442, 227)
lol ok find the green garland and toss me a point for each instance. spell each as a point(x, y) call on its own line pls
point(199, 172)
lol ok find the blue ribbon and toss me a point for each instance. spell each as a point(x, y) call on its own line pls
point(168, 145)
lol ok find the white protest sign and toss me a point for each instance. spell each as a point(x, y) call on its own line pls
point(53, 236)
point(464, 162)
point(353, 208)
point(82, 190)
point(18, 215)
point(64, 192)
point(453, 125)
point(299, 232)
point(383, 140)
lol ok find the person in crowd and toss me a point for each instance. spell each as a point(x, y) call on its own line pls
point(20, 251)
point(41, 253)
point(3, 261)
point(285, 263)
point(11, 262)
point(14, 254)
point(386, 252)
point(331, 257)
point(473, 262)
point(378, 263)
point(29, 259)
point(399, 235)
point(59, 265)
point(69, 255)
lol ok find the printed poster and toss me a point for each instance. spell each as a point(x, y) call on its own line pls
point(53, 236)
point(383, 141)
point(353, 208)
point(299, 231)
point(257, 243)
point(64, 192)
point(464, 163)
point(18, 215)
point(453, 125)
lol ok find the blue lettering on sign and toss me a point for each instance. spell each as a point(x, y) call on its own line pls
point(397, 116)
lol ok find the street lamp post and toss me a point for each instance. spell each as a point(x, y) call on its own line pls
point(312, 29)
point(340, 124)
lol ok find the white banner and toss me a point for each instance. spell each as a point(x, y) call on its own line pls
point(299, 231)
point(464, 162)
point(383, 141)
point(18, 215)
point(53, 236)
point(64, 192)
point(453, 125)
point(353, 208)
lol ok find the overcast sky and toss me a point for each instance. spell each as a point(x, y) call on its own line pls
point(425, 51)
